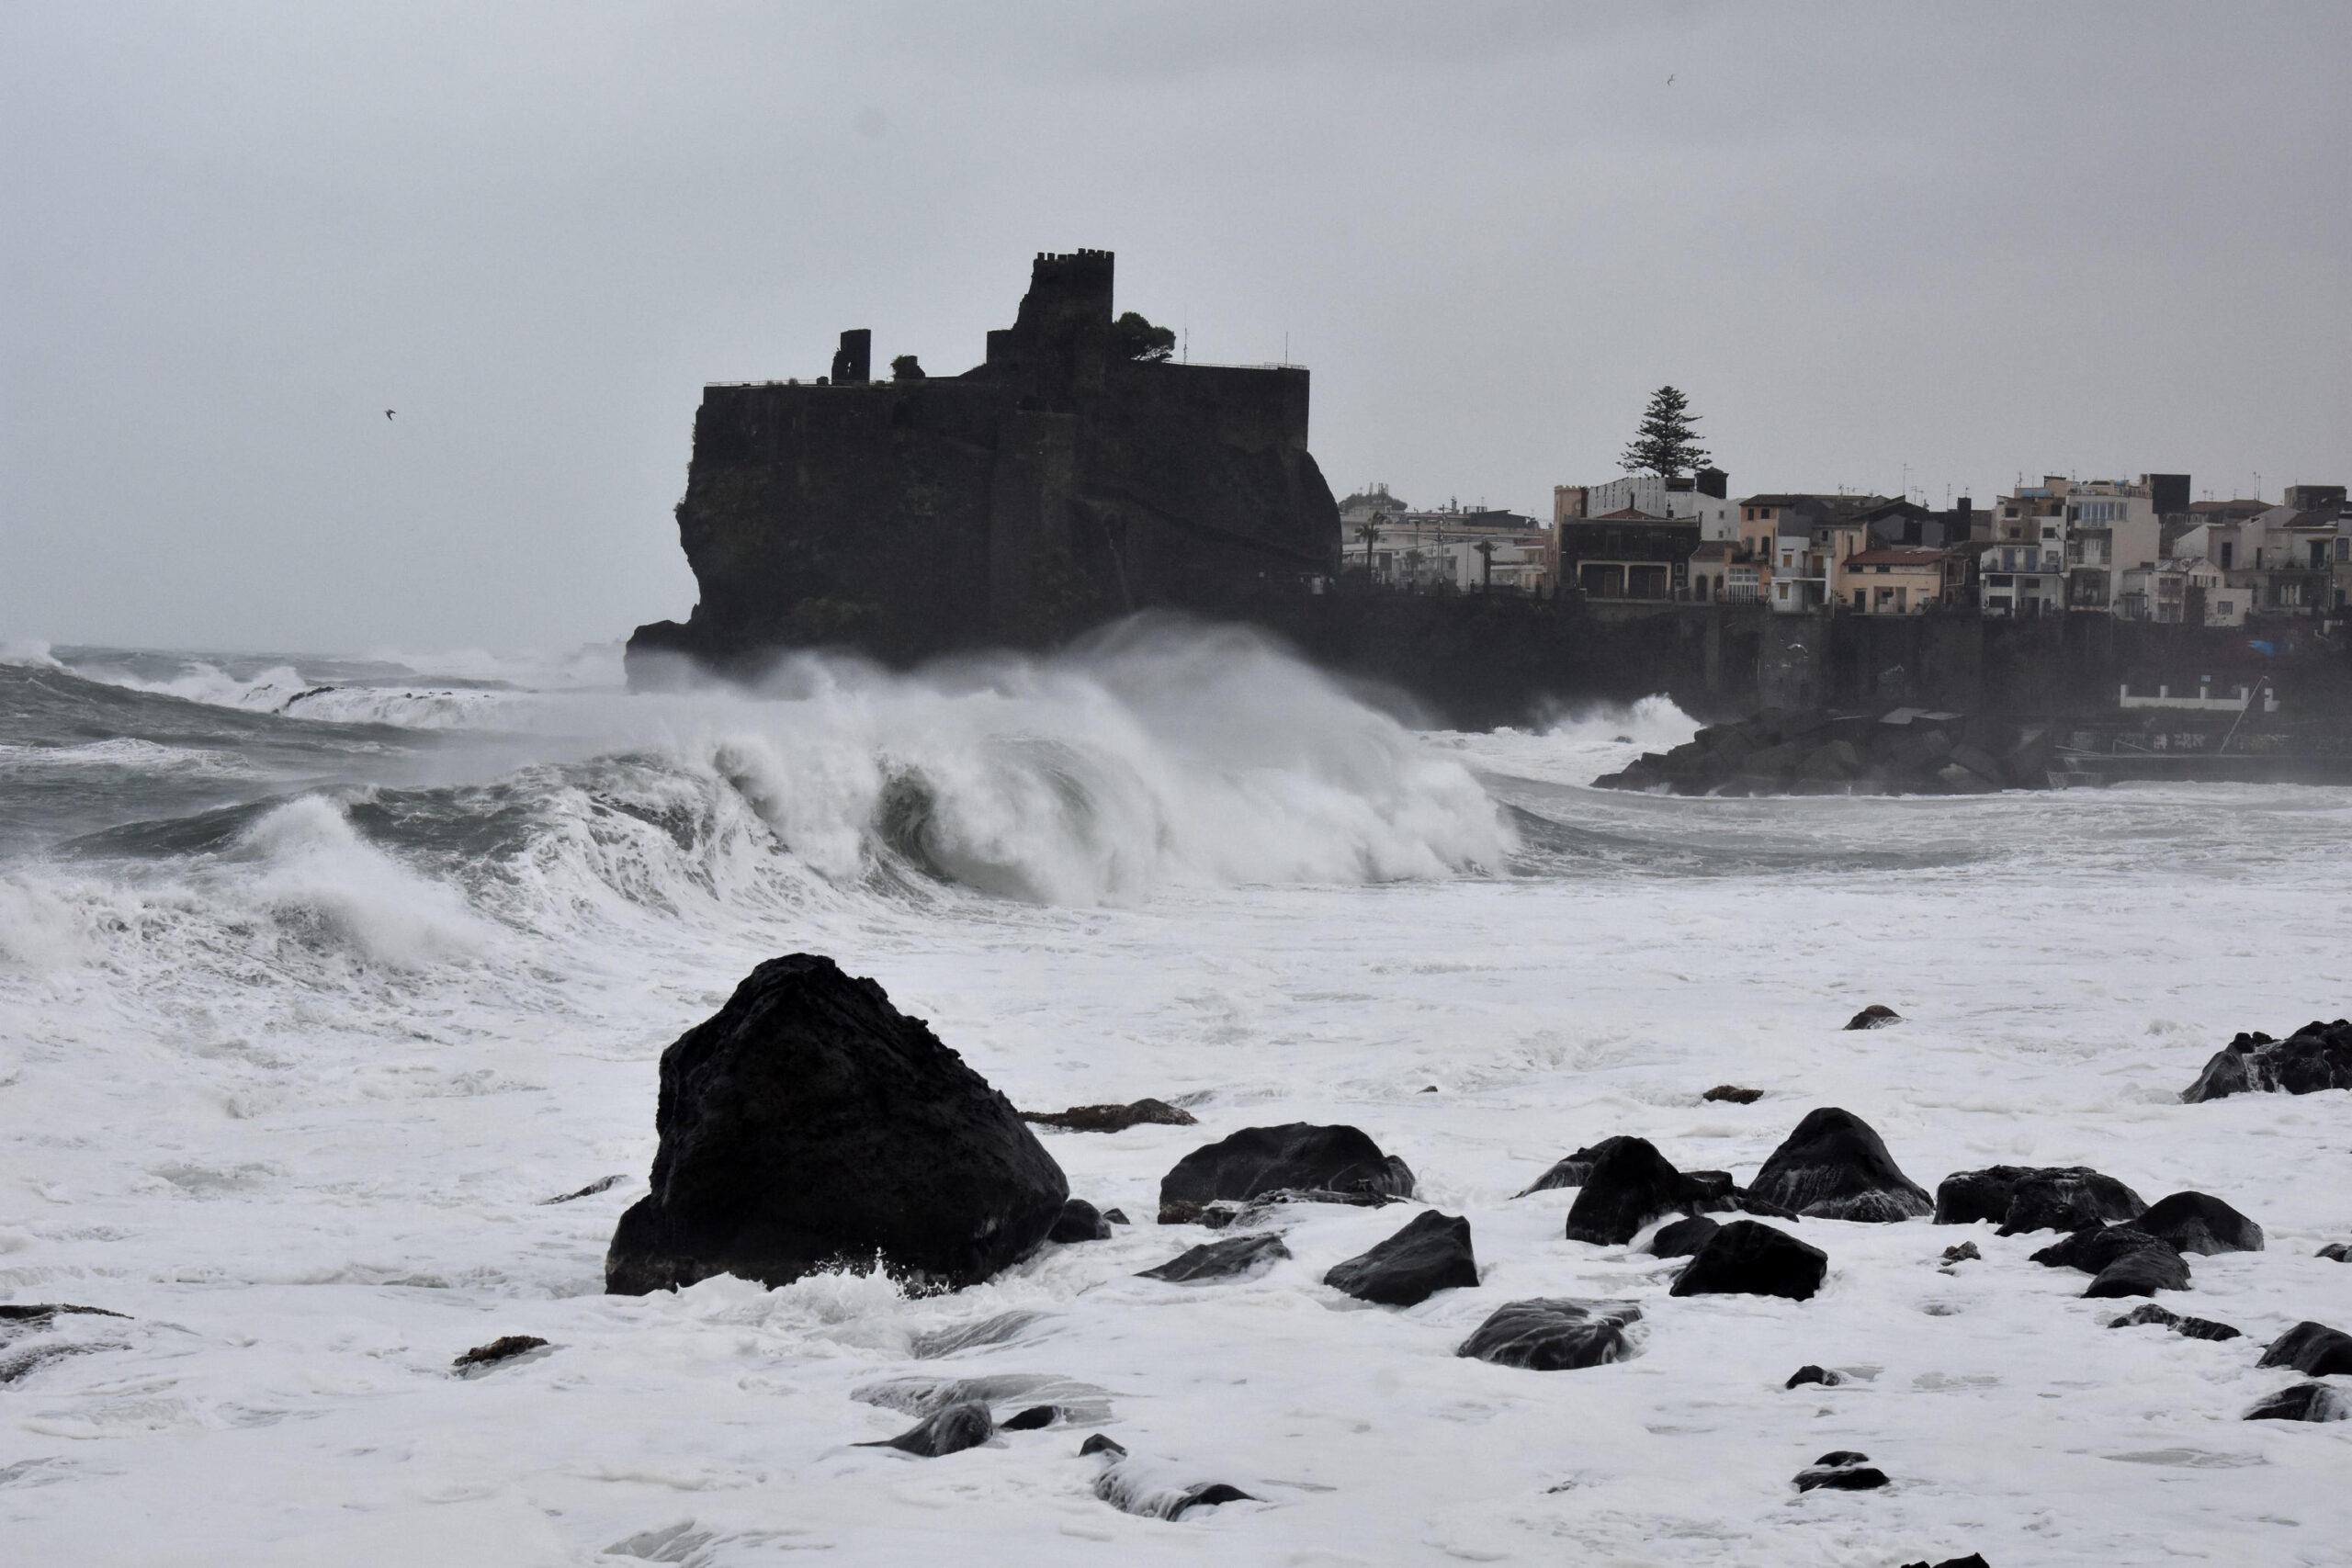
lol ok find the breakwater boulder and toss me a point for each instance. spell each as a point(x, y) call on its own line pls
point(1297, 1157)
point(1820, 751)
point(807, 1123)
point(2315, 1057)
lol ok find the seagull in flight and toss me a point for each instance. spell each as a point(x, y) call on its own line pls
point(1670, 78)
point(387, 413)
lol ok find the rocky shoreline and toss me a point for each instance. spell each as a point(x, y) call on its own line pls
point(1902, 751)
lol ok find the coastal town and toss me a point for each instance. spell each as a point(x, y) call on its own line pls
point(2139, 550)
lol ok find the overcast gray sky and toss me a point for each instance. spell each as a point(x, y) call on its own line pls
point(1973, 240)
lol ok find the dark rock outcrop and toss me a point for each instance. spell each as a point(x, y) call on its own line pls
point(2311, 1347)
point(1112, 1118)
point(1080, 1221)
point(1570, 1170)
point(1118, 1216)
point(1432, 1253)
point(809, 1121)
point(1036, 1418)
point(965, 1424)
point(2142, 1271)
point(1733, 1094)
point(601, 1184)
point(1219, 1259)
point(2187, 1327)
point(1628, 1187)
point(1102, 1443)
point(1749, 1258)
point(39, 1315)
point(1813, 1374)
point(2093, 1247)
point(2034, 1198)
point(1962, 1252)
point(1683, 1237)
point(1973, 1560)
point(2336, 1252)
point(2304, 1402)
point(504, 1349)
point(1554, 1334)
point(2201, 1224)
point(1818, 752)
point(1877, 1015)
point(1844, 1471)
point(1835, 1167)
point(2315, 1057)
point(1297, 1157)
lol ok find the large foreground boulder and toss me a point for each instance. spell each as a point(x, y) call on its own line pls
point(1554, 1334)
point(1298, 1156)
point(1751, 1260)
point(2035, 1198)
point(1628, 1187)
point(1835, 1167)
point(2315, 1057)
point(1430, 1253)
point(2311, 1347)
point(810, 1122)
point(2304, 1402)
point(1570, 1170)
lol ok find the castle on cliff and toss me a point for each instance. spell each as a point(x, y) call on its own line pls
point(1057, 485)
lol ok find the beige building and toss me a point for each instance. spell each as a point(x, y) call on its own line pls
point(1899, 579)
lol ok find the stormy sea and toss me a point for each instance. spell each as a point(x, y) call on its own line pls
point(333, 992)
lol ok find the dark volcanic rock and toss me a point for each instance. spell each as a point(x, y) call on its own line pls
point(1554, 1334)
point(38, 1314)
point(1080, 1221)
point(1031, 1419)
point(1973, 1560)
point(1117, 1216)
point(2336, 1252)
point(2303, 1402)
point(2034, 1198)
point(1815, 751)
point(958, 1426)
point(1683, 1237)
point(1877, 1015)
point(1751, 1260)
point(1812, 1374)
point(1219, 1259)
point(1849, 1475)
point(2198, 1223)
point(1570, 1170)
point(601, 1184)
point(2317, 1056)
point(2188, 1328)
point(2311, 1347)
point(2141, 1271)
point(808, 1122)
point(2093, 1247)
point(1963, 1252)
point(1112, 1118)
point(1298, 1155)
point(1734, 1094)
point(1430, 1253)
point(1834, 1167)
point(502, 1349)
point(1630, 1185)
point(1102, 1443)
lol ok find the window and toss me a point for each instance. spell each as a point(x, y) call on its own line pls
point(2229, 555)
point(1781, 590)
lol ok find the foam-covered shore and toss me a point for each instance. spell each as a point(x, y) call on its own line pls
point(287, 1076)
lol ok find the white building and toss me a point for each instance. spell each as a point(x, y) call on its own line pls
point(1700, 498)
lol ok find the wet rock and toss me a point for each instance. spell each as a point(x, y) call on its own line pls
point(1734, 1094)
point(2142, 1271)
point(1835, 1167)
point(1032, 1419)
point(1962, 1252)
point(1554, 1334)
point(1219, 1259)
point(2303, 1402)
point(2188, 1328)
point(1747, 1258)
point(2316, 1058)
point(1081, 1403)
point(18, 1365)
point(1813, 1374)
point(40, 1314)
point(1840, 1458)
point(2201, 1224)
point(1630, 1186)
point(2311, 1347)
point(1877, 1015)
point(2093, 1247)
point(2033, 1198)
point(601, 1184)
point(501, 1349)
point(1432, 1253)
point(2336, 1252)
point(1120, 1486)
point(1296, 1156)
point(809, 1122)
point(1570, 1170)
point(1080, 1221)
point(1114, 1118)
point(1683, 1237)
point(1841, 1471)
point(999, 1329)
point(958, 1426)
point(1973, 1560)
point(1102, 1443)
point(1118, 1216)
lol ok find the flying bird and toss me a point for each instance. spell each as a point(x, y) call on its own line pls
point(1670, 78)
point(387, 413)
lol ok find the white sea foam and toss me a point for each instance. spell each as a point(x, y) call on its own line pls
point(291, 1098)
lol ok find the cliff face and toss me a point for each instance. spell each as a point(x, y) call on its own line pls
point(1053, 487)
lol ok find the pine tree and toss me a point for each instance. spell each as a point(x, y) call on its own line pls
point(1666, 443)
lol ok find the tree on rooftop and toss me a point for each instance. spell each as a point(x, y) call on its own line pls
point(906, 368)
point(1667, 444)
point(1132, 337)
point(1486, 548)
